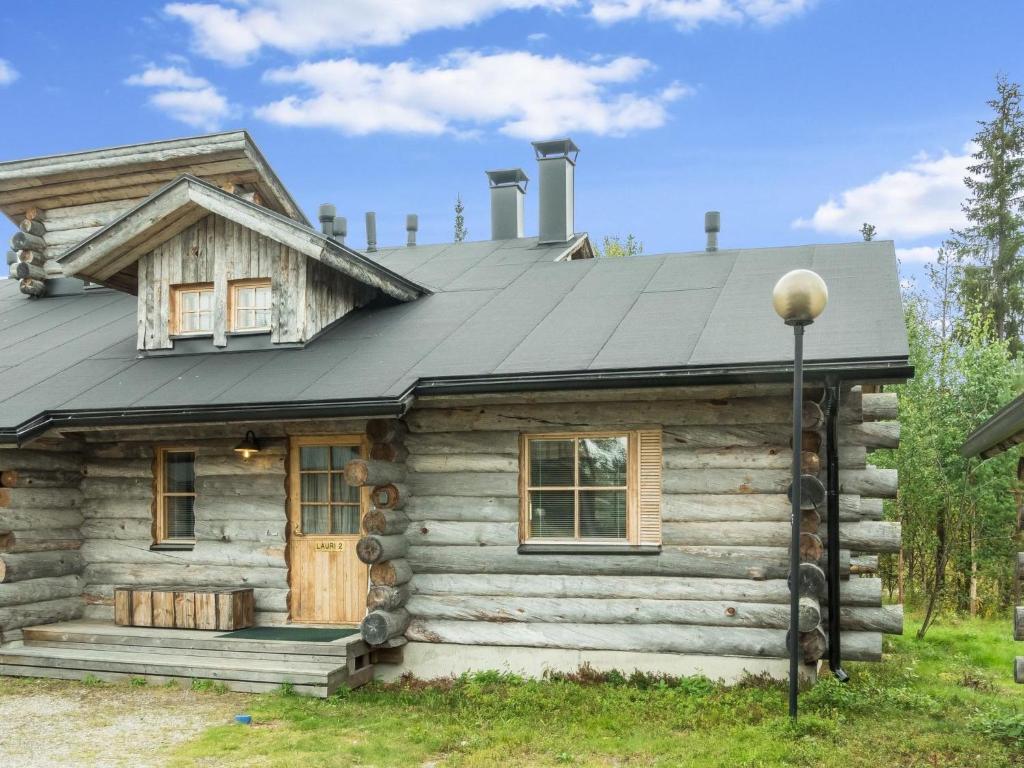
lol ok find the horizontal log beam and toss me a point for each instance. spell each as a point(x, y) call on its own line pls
point(725, 562)
point(31, 287)
point(387, 598)
point(447, 443)
point(887, 619)
point(34, 518)
point(753, 508)
point(880, 406)
point(462, 462)
point(390, 573)
point(854, 592)
point(193, 574)
point(385, 522)
point(40, 590)
point(872, 435)
point(612, 611)
point(862, 536)
point(54, 540)
point(375, 549)
point(36, 478)
point(38, 565)
point(47, 612)
point(873, 482)
point(23, 458)
point(360, 472)
point(650, 638)
point(380, 626)
point(484, 509)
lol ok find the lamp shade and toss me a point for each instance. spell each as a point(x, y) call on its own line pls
point(248, 446)
point(800, 296)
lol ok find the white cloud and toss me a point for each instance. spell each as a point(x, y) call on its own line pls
point(186, 98)
point(537, 37)
point(8, 74)
point(690, 14)
point(524, 94)
point(921, 254)
point(918, 200)
point(234, 34)
point(167, 77)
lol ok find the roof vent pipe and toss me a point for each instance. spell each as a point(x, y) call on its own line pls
point(556, 164)
point(371, 231)
point(327, 212)
point(508, 195)
point(712, 226)
point(412, 224)
point(340, 229)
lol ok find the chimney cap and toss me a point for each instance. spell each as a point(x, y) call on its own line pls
point(327, 212)
point(507, 177)
point(556, 148)
point(712, 221)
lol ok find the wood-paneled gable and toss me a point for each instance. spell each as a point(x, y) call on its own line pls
point(306, 295)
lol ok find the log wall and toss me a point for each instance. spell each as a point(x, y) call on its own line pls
point(719, 585)
point(40, 516)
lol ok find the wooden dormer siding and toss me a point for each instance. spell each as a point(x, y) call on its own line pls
point(306, 296)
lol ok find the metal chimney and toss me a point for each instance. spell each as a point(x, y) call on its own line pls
point(712, 226)
point(371, 231)
point(556, 163)
point(412, 224)
point(508, 197)
point(340, 229)
point(327, 212)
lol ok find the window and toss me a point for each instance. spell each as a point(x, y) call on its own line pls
point(175, 496)
point(193, 309)
point(591, 488)
point(250, 305)
point(328, 505)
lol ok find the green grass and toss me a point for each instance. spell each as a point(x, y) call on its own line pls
point(947, 701)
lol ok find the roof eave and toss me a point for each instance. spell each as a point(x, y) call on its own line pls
point(1000, 432)
point(878, 370)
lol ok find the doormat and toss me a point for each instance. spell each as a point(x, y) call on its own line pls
point(297, 634)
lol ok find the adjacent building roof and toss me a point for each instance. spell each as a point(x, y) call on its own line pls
point(503, 315)
point(1003, 431)
point(135, 171)
point(109, 255)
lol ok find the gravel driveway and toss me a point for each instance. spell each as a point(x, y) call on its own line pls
point(59, 724)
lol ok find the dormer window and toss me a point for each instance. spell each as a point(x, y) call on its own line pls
point(250, 305)
point(193, 309)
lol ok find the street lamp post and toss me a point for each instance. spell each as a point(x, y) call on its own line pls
point(799, 298)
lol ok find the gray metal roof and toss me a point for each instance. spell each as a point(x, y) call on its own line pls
point(502, 311)
point(1002, 431)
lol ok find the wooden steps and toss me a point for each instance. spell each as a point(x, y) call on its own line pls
point(76, 649)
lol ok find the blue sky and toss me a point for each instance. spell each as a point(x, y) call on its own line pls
point(798, 119)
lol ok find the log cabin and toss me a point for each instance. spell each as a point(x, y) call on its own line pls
point(237, 446)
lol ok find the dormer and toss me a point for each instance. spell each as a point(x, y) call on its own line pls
point(213, 272)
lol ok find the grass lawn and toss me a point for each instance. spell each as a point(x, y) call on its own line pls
point(947, 701)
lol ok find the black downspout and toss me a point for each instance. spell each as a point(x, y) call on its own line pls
point(832, 487)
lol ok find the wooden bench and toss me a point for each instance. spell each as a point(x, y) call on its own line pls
point(221, 608)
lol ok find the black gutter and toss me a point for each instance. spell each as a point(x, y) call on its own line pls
point(886, 369)
point(835, 662)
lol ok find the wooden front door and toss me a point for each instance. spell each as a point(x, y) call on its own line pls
point(328, 583)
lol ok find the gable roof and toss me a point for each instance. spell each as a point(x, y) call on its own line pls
point(504, 316)
point(136, 170)
point(109, 255)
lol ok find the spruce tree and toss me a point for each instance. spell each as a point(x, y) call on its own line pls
point(868, 231)
point(989, 250)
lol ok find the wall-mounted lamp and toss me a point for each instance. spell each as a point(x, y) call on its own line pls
point(248, 446)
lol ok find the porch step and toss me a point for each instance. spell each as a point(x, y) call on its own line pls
point(195, 643)
point(253, 675)
point(74, 650)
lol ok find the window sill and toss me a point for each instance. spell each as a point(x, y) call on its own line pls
point(250, 332)
point(203, 335)
point(173, 546)
point(534, 548)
